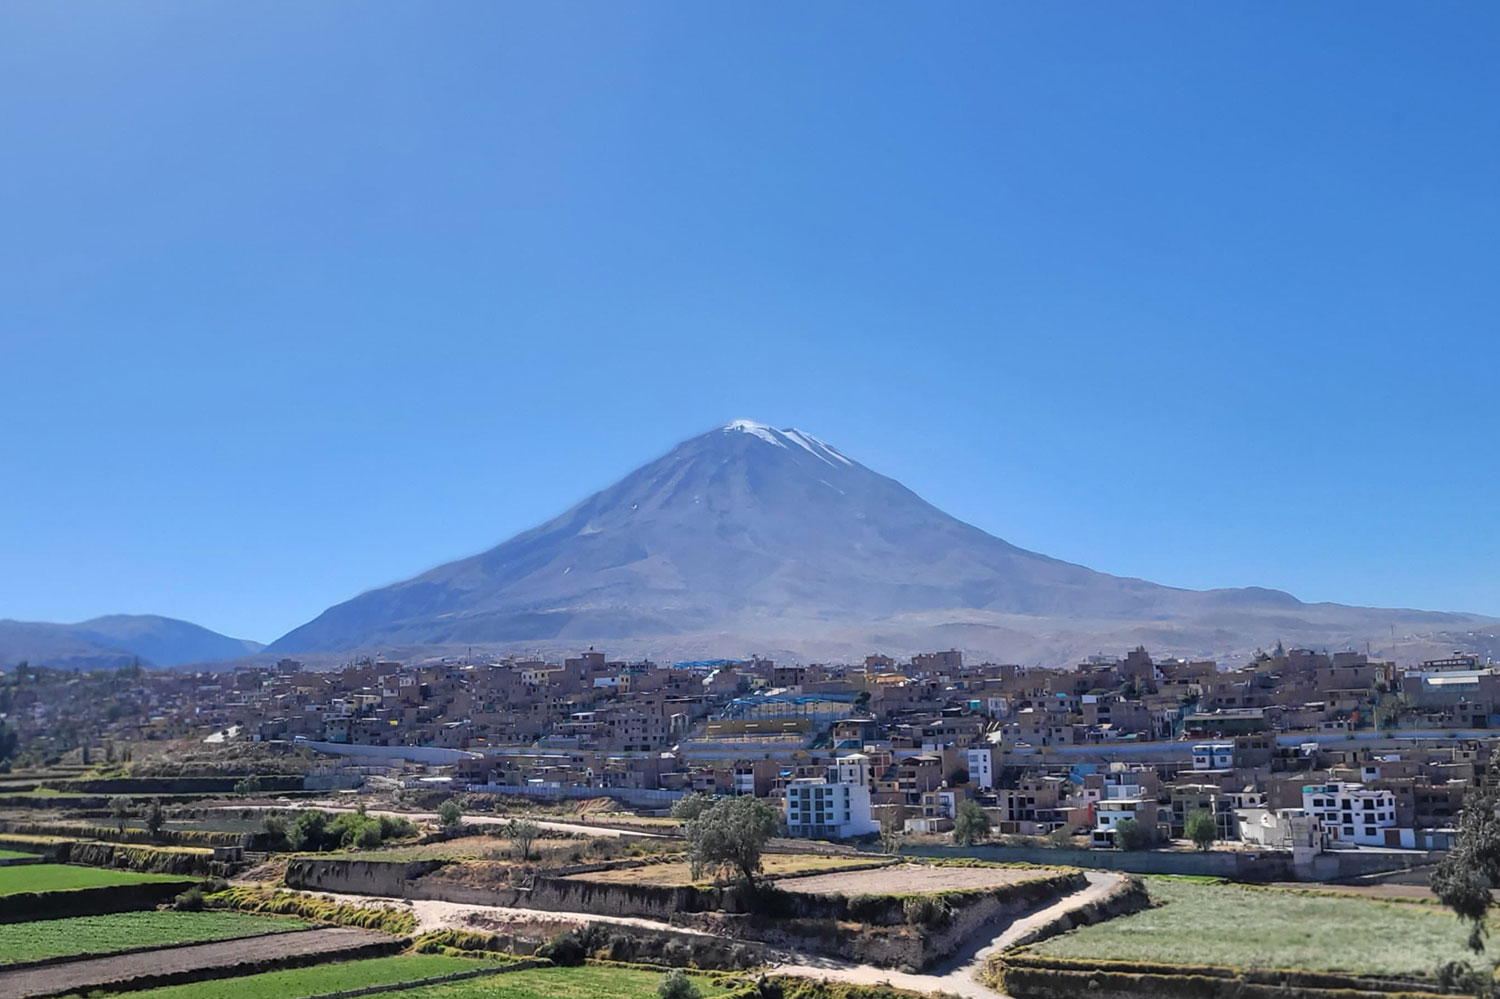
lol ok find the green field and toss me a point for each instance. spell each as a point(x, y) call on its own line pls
point(15, 855)
point(587, 982)
point(320, 978)
point(1239, 927)
point(63, 877)
point(125, 930)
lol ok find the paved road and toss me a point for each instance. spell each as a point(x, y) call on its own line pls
point(956, 975)
point(98, 972)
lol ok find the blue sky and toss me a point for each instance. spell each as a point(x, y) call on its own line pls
point(301, 298)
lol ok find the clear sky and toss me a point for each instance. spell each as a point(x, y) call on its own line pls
point(301, 298)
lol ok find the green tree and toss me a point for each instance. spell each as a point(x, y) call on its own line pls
point(676, 984)
point(249, 784)
point(729, 836)
point(970, 824)
point(119, 807)
point(1129, 834)
point(1463, 878)
point(960, 775)
point(1201, 830)
point(522, 833)
point(690, 807)
point(156, 817)
point(450, 814)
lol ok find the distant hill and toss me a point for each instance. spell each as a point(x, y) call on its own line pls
point(117, 640)
point(751, 538)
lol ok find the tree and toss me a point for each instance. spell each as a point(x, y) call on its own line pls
point(1201, 830)
point(119, 807)
point(156, 817)
point(249, 784)
point(970, 824)
point(690, 807)
point(862, 702)
point(1463, 878)
point(677, 985)
point(960, 775)
point(729, 836)
point(891, 827)
point(523, 833)
point(1129, 834)
point(450, 814)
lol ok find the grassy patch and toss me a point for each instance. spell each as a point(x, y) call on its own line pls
point(1240, 927)
point(586, 982)
point(250, 899)
point(125, 930)
point(63, 877)
point(15, 855)
point(321, 978)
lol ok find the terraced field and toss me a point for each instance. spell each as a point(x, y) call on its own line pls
point(587, 982)
point(23, 942)
point(322, 978)
point(101, 974)
point(64, 877)
point(1244, 927)
point(681, 872)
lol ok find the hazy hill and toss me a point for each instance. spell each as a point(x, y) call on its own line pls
point(117, 640)
point(748, 537)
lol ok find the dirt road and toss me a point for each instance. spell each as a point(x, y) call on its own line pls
point(956, 975)
point(473, 819)
point(100, 972)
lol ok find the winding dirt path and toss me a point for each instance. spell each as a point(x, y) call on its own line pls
point(957, 974)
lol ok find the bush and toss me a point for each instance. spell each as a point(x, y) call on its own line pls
point(565, 949)
point(676, 984)
point(189, 901)
point(927, 911)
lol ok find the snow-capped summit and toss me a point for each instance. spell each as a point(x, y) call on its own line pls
point(790, 437)
point(749, 537)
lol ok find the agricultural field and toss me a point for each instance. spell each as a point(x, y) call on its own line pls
point(1242, 927)
point(586, 982)
point(681, 872)
point(912, 879)
point(23, 942)
point(63, 877)
point(321, 978)
point(544, 851)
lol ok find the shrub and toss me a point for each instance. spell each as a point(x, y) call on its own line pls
point(189, 901)
point(676, 984)
point(565, 949)
point(927, 911)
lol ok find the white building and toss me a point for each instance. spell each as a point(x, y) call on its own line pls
point(1352, 813)
point(1213, 756)
point(980, 764)
point(1110, 812)
point(853, 769)
point(819, 810)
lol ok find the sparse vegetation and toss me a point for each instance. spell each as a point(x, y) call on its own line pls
point(269, 900)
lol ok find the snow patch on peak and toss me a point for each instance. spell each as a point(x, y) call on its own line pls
point(760, 430)
point(814, 446)
point(790, 437)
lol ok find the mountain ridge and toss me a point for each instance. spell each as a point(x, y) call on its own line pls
point(114, 640)
point(749, 534)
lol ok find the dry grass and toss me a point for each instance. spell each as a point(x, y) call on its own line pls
point(681, 873)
